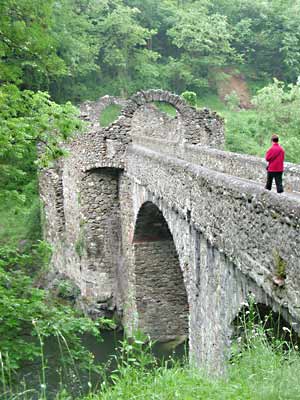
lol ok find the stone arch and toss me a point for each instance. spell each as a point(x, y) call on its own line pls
point(161, 298)
point(197, 126)
point(149, 96)
point(91, 110)
point(178, 223)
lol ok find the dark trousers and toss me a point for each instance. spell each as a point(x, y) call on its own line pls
point(278, 180)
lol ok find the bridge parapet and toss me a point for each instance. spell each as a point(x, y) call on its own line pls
point(240, 165)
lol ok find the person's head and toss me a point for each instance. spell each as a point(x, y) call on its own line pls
point(275, 138)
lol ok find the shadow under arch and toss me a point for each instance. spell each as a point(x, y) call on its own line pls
point(258, 318)
point(161, 298)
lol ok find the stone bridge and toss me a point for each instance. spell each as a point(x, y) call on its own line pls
point(154, 221)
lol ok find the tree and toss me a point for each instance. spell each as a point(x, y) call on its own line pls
point(204, 40)
point(278, 107)
point(124, 55)
point(266, 33)
point(26, 119)
point(27, 48)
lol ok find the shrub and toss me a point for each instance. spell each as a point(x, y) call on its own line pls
point(190, 98)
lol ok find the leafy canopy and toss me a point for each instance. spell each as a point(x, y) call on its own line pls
point(28, 119)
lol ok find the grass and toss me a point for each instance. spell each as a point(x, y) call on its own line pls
point(166, 108)
point(20, 223)
point(109, 114)
point(260, 373)
point(263, 366)
point(213, 102)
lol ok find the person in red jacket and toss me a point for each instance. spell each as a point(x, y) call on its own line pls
point(275, 158)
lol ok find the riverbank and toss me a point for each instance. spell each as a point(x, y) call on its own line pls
point(261, 372)
point(261, 367)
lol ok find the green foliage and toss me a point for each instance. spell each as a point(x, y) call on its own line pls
point(123, 48)
point(110, 114)
point(25, 260)
point(265, 33)
point(79, 246)
point(27, 47)
point(261, 367)
point(276, 111)
point(242, 130)
point(233, 101)
point(204, 39)
point(20, 221)
point(166, 108)
point(133, 353)
point(28, 119)
point(79, 50)
point(212, 101)
point(27, 312)
point(280, 264)
point(190, 98)
point(278, 107)
point(66, 289)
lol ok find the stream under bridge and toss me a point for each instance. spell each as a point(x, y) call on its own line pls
point(152, 219)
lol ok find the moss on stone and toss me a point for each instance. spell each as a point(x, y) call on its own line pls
point(79, 245)
point(280, 264)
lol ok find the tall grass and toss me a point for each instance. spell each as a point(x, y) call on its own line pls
point(262, 367)
point(260, 374)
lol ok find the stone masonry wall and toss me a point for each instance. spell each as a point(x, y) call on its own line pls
point(216, 288)
point(99, 242)
point(220, 289)
point(149, 122)
point(160, 293)
point(63, 188)
point(240, 218)
point(239, 165)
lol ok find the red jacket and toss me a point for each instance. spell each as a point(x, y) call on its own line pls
point(275, 157)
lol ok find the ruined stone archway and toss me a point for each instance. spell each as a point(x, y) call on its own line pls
point(161, 299)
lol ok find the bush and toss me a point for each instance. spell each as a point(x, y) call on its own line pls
point(27, 313)
point(190, 98)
